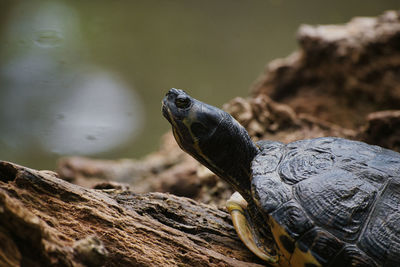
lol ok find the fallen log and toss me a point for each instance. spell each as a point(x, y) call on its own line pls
point(46, 221)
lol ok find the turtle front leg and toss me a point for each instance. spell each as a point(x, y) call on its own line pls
point(245, 228)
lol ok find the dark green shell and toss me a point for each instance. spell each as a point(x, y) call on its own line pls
point(337, 198)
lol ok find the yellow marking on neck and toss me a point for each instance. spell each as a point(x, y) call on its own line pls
point(176, 133)
point(188, 121)
point(196, 145)
point(177, 136)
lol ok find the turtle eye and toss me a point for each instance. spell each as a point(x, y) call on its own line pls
point(182, 101)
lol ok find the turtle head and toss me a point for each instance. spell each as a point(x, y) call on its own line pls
point(213, 137)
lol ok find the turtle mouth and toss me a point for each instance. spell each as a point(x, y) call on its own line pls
point(166, 105)
point(165, 109)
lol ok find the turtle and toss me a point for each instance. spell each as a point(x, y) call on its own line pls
point(327, 201)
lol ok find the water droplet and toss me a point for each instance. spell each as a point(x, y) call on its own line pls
point(48, 38)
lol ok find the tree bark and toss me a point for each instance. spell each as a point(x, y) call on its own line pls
point(340, 73)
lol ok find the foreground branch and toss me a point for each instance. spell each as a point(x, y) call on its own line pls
point(47, 221)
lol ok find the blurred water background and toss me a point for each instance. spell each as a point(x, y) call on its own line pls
point(87, 77)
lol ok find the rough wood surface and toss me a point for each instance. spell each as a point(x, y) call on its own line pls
point(46, 221)
point(383, 128)
point(340, 72)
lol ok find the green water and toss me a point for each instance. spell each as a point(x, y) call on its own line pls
point(87, 77)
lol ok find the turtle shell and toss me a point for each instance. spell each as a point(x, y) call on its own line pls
point(330, 201)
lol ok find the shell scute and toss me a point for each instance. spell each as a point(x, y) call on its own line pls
point(338, 201)
point(271, 153)
point(293, 218)
point(351, 255)
point(270, 193)
point(321, 244)
point(304, 160)
point(268, 190)
point(382, 234)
